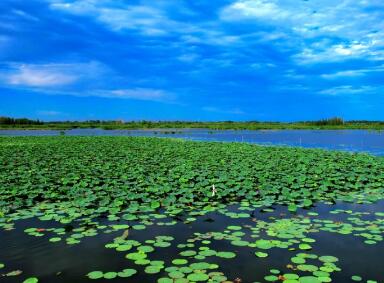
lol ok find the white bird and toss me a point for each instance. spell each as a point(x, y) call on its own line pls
point(214, 191)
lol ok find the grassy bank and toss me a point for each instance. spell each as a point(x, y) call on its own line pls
point(197, 125)
point(326, 124)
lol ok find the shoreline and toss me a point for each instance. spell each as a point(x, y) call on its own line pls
point(336, 128)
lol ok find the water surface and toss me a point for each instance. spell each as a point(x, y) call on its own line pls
point(59, 262)
point(348, 140)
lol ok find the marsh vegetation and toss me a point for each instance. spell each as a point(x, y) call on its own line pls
point(331, 123)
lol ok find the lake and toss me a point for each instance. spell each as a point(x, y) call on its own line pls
point(348, 140)
point(336, 232)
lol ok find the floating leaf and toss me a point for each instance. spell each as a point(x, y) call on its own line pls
point(261, 254)
point(31, 280)
point(198, 277)
point(95, 275)
point(110, 275)
point(127, 273)
point(226, 254)
point(356, 278)
point(179, 261)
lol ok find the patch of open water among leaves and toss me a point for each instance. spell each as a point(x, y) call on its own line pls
point(330, 242)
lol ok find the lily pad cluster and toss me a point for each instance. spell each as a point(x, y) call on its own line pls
point(87, 173)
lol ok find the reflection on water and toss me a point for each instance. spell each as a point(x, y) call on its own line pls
point(58, 262)
point(348, 140)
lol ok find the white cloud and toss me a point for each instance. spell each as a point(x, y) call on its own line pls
point(75, 79)
point(136, 93)
point(48, 113)
point(254, 9)
point(354, 48)
point(147, 94)
point(236, 111)
point(149, 20)
point(49, 75)
point(188, 57)
point(353, 23)
point(25, 15)
point(309, 18)
point(344, 74)
point(338, 52)
point(352, 73)
point(35, 76)
point(349, 89)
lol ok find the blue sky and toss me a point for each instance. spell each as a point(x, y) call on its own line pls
point(281, 60)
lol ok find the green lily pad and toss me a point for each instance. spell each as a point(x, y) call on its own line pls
point(328, 258)
point(309, 279)
point(136, 256)
point(200, 266)
point(356, 278)
point(95, 275)
point(165, 280)
point(31, 280)
point(127, 273)
point(264, 244)
point(146, 249)
point(226, 254)
point(261, 254)
point(304, 247)
point(110, 275)
point(198, 277)
point(271, 278)
point(152, 269)
point(179, 261)
point(188, 253)
point(176, 274)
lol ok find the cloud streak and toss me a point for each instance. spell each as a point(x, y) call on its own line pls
point(51, 75)
point(48, 113)
point(40, 76)
point(212, 109)
point(75, 79)
point(353, 73)
point(146, 19)
point(351, 90)
point(146, 94)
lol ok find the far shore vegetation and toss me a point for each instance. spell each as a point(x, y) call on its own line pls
point(324, 124)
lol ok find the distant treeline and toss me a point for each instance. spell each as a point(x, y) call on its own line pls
point(331, 123)
point(324, 122)
point(19, 121)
